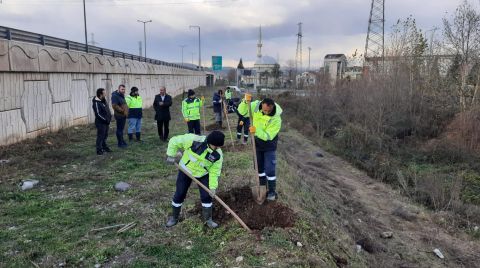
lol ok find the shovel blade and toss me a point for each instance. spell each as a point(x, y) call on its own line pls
point(259, 194)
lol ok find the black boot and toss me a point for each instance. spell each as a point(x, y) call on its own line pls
point(272, 195)
point(130, 136)
point(207, 217)
point(173, 220)
point(138, 135)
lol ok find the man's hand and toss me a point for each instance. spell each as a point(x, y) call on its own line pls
point(161, 103)
point(248, 97)
point(187, 120)
point(213, 192)
point(170, 160)
point(240, 123)
point(203, 98)
point(252, 129)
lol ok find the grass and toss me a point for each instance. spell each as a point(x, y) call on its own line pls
point(51, 224)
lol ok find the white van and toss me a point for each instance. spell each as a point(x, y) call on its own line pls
point(235, 88)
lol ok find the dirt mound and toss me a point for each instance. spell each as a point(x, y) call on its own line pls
point(257, 217)
point(214, 126)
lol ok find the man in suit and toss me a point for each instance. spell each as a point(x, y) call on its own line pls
point(162, 104)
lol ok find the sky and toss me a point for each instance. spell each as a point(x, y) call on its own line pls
point(229, 28)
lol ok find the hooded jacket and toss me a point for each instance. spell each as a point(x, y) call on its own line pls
point(102, 111)
point(217, 103)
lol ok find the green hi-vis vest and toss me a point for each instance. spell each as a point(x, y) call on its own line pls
point(243, 109)
point(228, 94)
point(134, 102)
point(191, 108)
point(198, 158)
point(267, 127)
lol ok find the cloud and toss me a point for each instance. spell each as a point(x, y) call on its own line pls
point(229, 27)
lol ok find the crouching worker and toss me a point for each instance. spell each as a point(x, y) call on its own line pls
point(202, 158)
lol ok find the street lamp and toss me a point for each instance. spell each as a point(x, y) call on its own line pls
point(85, 23)
point(145, 36)
point(199, 46)
point(182, 46)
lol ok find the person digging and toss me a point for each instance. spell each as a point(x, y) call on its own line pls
point(202, 158)
point(267, 122)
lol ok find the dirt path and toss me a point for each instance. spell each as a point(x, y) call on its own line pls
point(366, 208)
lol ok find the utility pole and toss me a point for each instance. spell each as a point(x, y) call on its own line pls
point(309, 52)
point(145, 36)
point(85, 23)
point(182, 46)
point(140, 52)
point(193, 53)
point(299, 54)
point(375, 44)
point(199, 46)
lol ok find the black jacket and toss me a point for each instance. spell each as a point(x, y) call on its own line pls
point(162, 112)
point(102, 111)
point(217, 103)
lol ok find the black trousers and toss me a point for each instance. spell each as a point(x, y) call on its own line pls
point(162, 127)
point(246, 125)
point(194, 126)
point(102, 134)
point(121, 120)
point(183, 183)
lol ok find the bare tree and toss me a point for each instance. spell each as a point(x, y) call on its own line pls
point(462, 36)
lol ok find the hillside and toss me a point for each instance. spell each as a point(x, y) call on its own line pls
point(329, 214)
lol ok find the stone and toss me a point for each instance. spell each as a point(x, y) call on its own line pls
point(359, 248)
point(122, 186)
point(438, 253)
point(476, 228)
point(386, 235)
point(29, 184)
point(299, 244)
point(239, 259)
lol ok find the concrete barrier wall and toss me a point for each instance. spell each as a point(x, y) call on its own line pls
point(44, 89)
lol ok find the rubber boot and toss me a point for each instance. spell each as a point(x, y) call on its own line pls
point(138, 135)
point(130, 136)
point(207, 217)
point(263, 180)
point(173, 220)
point(272, 195)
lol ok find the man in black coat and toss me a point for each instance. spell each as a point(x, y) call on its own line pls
point(162, 104)
point(103, 117)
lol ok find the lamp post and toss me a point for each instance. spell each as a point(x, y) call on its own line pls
point(144, 35)
point(182, 46)
point(199, 46)
point(85, 24)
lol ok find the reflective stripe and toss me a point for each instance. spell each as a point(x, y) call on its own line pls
point(239, 134)
point(177, 205)
point(207, 205)
point(246, 136)
point(262, 175)
point(271, 178)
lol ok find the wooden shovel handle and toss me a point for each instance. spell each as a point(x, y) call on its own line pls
point(254, 148)
point(228, 122)
point(216, 197)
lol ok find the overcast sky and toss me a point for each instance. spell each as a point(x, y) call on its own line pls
point(229, 27)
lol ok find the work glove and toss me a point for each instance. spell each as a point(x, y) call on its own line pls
point(202, 98)
point(248, 97)
point(252, 129)
point(170, 160)
point(240, 123)
point(187, 120)
point(213, 192)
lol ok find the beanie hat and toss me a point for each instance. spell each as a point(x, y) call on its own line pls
point(216, 138)
point(190, 92)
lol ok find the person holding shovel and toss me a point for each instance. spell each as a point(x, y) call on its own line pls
point(243, 122)
point(202, 158)
point(266, 125)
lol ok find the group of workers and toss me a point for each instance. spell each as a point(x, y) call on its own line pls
point(202, 156)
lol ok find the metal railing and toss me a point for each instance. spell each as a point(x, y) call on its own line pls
point(45, 40)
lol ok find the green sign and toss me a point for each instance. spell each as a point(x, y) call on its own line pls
point(217, 63)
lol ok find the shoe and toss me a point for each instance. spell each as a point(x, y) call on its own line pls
point(108, 150)
point(207, 218)
point(130, 137)
point(138, 136)
point(123, 145)
point(173, 220)
point(99, 152)
point(272, 196)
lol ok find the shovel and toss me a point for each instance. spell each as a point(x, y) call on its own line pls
point(259, 192)
point(228, 122)
point(242, 223)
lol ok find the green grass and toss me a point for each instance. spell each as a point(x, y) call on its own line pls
point(52, 223)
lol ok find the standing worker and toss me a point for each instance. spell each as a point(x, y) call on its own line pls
point(102, 120)
point(202, 158)
point(228, 96)
point(135, 104)
point(243, 122)
point(191, 108)
point(217, 107)
point(266, 125)
point(162, 104)
point(120, 109)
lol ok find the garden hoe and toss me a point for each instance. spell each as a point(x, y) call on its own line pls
point(259, 192)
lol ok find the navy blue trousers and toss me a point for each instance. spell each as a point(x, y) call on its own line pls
point(183, 183)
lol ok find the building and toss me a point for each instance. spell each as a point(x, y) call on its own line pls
point(306, 79)
point(353, 73)
point(334, 66)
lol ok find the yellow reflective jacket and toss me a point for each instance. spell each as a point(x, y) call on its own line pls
point(228, 94)
point(267, 126)
point(191, 108)
point(243, 109)
point(198, 158)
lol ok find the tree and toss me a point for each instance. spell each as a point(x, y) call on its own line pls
point(231, 75)
point(462, 36)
